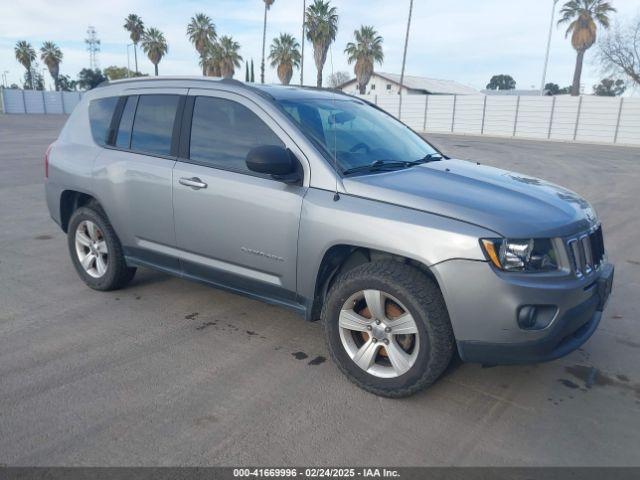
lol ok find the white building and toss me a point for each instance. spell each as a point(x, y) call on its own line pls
point(389, 83)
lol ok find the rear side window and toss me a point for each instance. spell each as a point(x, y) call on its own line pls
point(100, 115)
point(223, 132)
point(123, 137)
point(153, 123)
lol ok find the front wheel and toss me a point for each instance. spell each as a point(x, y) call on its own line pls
point(387, 328)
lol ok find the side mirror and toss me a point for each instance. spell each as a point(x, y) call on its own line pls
point(273, 160)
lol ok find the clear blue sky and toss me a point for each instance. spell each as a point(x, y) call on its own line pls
point(463, 40)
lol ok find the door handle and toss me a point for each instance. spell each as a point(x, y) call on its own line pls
point(194, 183)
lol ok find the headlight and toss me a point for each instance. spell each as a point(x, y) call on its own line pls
point(528, 255)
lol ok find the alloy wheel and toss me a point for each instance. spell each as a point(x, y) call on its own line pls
point(379, 333)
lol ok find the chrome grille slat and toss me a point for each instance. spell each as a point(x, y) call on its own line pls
point(586, 251)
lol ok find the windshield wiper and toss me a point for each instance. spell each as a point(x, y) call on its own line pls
point(377, 166)
point(429, 157)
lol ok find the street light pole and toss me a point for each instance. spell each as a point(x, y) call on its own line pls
point(304, 11)
point(546, 58)
point(404, 60)
point(128, 64)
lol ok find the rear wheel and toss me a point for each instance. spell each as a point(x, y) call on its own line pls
point(95, 250)
point(387, 328)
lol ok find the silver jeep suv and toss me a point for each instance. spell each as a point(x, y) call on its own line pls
point(323, 203)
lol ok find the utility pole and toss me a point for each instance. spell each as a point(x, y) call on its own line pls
point(304, 11)
point(93, 46)
point(404, 59)
point(546, 58)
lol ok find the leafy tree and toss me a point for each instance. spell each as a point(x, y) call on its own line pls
point(88, 79)
point(619, 51)
point(154, 45)
point(267, 6)
point(501, 82)
point(116, 73)
point(36, 79)
point(285, 55)
point(51, 55)
point(583, 17)
point(246, 71)
point(25, 55)
point(554, 89)
point(65, 84)
point(202, 33)
point(134, 25)
point(321, 22)
point(338, 78)
point(365, 51)
point(229, 56)
point(608, 87)
point(253, 73)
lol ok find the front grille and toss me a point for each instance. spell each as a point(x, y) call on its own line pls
point(586, 252)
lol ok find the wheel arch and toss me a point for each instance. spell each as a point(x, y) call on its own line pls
point(70, 201)
point(341, 258)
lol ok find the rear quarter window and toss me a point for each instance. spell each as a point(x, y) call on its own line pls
point(100, 115)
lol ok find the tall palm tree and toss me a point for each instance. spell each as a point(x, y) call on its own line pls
point(26, 55)
point(210, 62)
point(229, 56)
point(267, 6)
point(583, 17)
point(154, 45)
point(133, 24)
point(321, 21)
point(285, 55)
point(202, 33)
point(365, 51)
point(51, 55)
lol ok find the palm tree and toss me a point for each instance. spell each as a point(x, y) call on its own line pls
point(26, 55)
point(267, 6)
point(321, 22)
point(51, 55)
point(210, 62)
point(285, 54)
point(366, 50)
point(202, 33)
point(229, 56)
point(133, 24)
point(583, 17)
point(154, 45)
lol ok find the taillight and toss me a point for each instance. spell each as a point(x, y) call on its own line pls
point(46, 161)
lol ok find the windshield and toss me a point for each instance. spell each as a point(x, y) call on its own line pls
point(359, 134)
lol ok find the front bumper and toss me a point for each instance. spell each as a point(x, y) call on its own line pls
point(484, 320)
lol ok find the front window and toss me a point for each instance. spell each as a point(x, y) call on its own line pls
point(357, 133)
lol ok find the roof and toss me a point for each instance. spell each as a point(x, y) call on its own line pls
point(428, 85)
point(273, 91)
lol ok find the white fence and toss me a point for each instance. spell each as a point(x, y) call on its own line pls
point(583, 119)
point(38, 101)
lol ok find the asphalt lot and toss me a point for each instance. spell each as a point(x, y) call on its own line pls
point(168, 372)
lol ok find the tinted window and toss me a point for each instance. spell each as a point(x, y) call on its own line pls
point(153, 124)
point(223, 132)
point(100, 114)
point(123, 138)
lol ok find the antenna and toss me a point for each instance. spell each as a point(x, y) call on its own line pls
point(93, 46)
point(336, 195)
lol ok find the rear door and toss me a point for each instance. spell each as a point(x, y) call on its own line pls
point(133, 175)
point(235, 228)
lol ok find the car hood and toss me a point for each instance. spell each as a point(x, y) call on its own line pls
point(511, 204)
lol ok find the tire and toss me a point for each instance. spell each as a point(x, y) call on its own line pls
point(114, 273)
point(419, 296)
